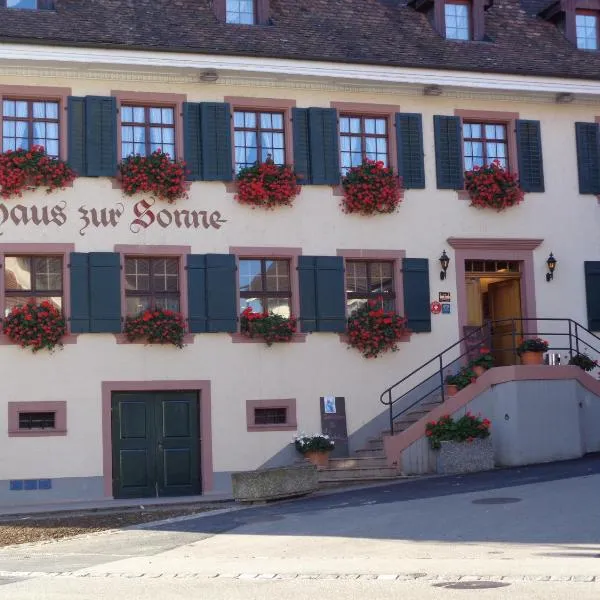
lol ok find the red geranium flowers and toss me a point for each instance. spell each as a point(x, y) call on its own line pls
point(267, 185)
point(157, 174)
point(35, 326)
point(158, 326)
point(22, 170)
point(372, 330)
point(267, 325)
point(492, 186)
point(371, 188)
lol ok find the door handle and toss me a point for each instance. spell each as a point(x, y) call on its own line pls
point(160, 446)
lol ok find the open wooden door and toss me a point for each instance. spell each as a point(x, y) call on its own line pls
point(504, 299)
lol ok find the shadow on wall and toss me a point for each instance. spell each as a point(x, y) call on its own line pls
point(546, 511)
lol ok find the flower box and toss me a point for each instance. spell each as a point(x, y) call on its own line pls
point(371, 188)
point(267, 185)
point(465, 457)
point(270, 327)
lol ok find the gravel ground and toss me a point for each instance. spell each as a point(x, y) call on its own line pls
point(42, 527)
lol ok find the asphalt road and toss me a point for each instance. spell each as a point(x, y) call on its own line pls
point(531, 532)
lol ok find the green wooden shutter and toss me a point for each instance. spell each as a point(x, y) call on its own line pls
point(76, 134)
point(301, 145)
point(322, 293)
point(448, 153)
point(324, 148)
point(196, 273)
point(415, 280)
point(409, 137)
point(216, 141)
point(592, 293)
point(588, 157)
point(192, 140)
point(79, 293)
point(221, 293)
point(105, 292)
point(101, 136)
point(529, 151)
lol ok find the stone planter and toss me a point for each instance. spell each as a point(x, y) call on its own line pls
point(478, 370)
point(451, 390)
point(272, 484)
point(532, 358)
point(465, 457)
point(319, 459)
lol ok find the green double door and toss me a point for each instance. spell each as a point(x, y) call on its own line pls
point(156, 446)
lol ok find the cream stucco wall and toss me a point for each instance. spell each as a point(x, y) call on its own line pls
point(568, 223)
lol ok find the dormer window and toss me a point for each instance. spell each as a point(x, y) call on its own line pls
point(29, 4)
point(240, 12)
point(586, 26)
point(457, 20)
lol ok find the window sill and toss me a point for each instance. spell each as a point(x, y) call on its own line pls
point(281, 427)
point(188, 338)
point(238, 338)
point(67, 340)
point(38, 433)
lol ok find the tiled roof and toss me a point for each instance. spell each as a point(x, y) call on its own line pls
point(377, 32)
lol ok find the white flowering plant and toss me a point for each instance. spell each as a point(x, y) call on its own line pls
point(317, 442)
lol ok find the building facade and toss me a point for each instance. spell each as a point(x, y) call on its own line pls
point(431, 89)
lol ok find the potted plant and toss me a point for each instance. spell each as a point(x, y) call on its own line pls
point(492, 186)
point(158, 326)
point(482, 363)
point(22, 170)
point(532, 351)
point(267, 185)
point(371, 188)
point(269, 326)
point(315, 448)
point(459, 380)
point(35, 326)
point(373, 331)
point(464, 445)
point(583, 361)
point(158, 175)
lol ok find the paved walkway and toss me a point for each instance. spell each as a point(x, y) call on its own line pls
point(531, 533)
point(109, 503)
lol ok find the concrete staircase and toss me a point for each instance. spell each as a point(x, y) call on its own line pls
point(369, 465)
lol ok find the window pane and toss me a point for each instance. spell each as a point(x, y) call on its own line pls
point(126, 114)
point(167, 303)
point(8, 108)
point(254, 303)
point(137, 274)
point(278, 275)
point(457, 21)
point(381, 277)
point(279, 306)
point(17, 274)
point(137, 304)
point(48, 273)
point(155, 115)
point(353, 304)
point(356, 277)
point(250, 276)
point(165, 274)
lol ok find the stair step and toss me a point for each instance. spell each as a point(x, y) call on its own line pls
point(369, 452)
point(357, 463)
point(357, 474)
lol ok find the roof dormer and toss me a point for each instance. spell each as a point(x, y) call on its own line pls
point(242, 12)
point(579, 20)
point(461, 20)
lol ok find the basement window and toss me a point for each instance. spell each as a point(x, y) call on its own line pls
point(37, 420)
point(270, 416)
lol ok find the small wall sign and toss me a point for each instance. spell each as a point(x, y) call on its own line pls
point(445, 297)
point(329, 405)
point(436, 308)
point(445, 308)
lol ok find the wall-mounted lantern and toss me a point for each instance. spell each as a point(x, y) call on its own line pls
point(444, 261)
point(551, 262)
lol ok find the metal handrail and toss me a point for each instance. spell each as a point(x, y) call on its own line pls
point(465, 349)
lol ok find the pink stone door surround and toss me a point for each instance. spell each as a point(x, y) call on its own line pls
point(520, 249)
point(203, 388)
